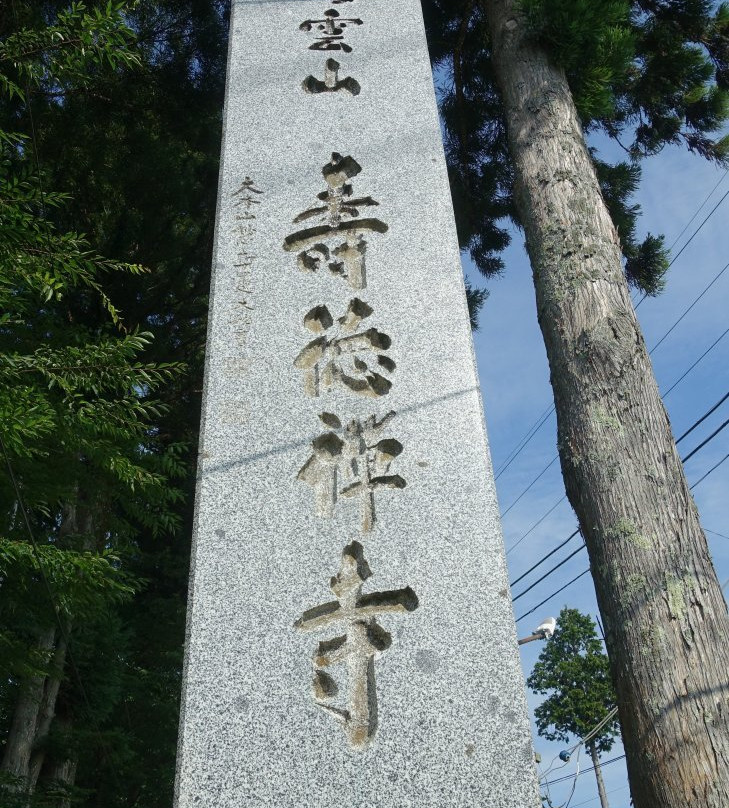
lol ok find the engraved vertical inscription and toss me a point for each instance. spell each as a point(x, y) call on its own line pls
point(245, 201)
point(344, 354)
point(330, 31)
point(351, 461)
point(363, 640)
point(338, 243)
point(332, 83)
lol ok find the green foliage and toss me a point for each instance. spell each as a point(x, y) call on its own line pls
point(646, 262)
point(81, 581)
point(479, 171)
point(69, 52)
point(593, 41)
point(89, 404)
point(573, 672)
point(648, 73)
point(37, 263)
point(475, 299)
point(653, 70)
point(102, 414)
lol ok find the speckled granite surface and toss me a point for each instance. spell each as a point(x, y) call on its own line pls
point(338, 300)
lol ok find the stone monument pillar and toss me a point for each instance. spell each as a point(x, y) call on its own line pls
point(350, 635)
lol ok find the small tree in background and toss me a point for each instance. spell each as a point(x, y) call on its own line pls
point(572, 671)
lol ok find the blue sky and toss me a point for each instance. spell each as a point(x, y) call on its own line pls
point(515, 383)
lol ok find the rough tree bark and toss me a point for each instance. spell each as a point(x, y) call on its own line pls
point(592, 748)
point(22, 733)
point(666, 621)
point(37, 696)
point(46, 713)
point(58, 776)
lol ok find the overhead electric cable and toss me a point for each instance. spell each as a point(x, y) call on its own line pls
point(548, 573)
point(569, 583)
point(703, 418)
point(543, 471)
point(536, 525)
point(693, 235)
point(713, 468)
point(675, 384)
point(542, 560)
point(698, 210)
point(531, 432)
point(569, 776)
point(542, 418)
point(706, 530)
point(710, 348)
point(688, 309)
point(584, 572)
point(578, 746)
point(572, 535)
point(595, 799)
point(698, 229)
point(591, 734)
point(704, 442)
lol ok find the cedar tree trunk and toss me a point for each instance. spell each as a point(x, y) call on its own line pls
point(665, 617)
point(22, 733)
point(47, 713)
point(35, 708)
point(59, 770)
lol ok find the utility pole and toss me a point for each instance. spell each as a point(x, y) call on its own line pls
point(594, 754)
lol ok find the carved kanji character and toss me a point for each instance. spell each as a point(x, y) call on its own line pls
point(244, 200)
point(363, 640)
point(344, 354)
point(332, 83)
point(340, 214)
point(352, 461)
point(332, 29)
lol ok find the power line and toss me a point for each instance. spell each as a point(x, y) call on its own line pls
point(688, 309)
point(706, 530)
point(698, 210)
point(591, 734)
point(710, 348)
point(713, 468)
point(569, 583)
point(584, 572)
point(536, 525)
point(542, 418)
point(578, 746)
point(704, 442)
point(703, 418)
point(698, 229)
point(549, 572)
point(592, 769)
point(531, 432)
point(542, 560)
point(543, 471)
point(592, 799)
point(675, 384)
point(676, 322)
point(572, 535)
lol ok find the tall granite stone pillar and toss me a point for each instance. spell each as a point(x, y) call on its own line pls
point(350, 636)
